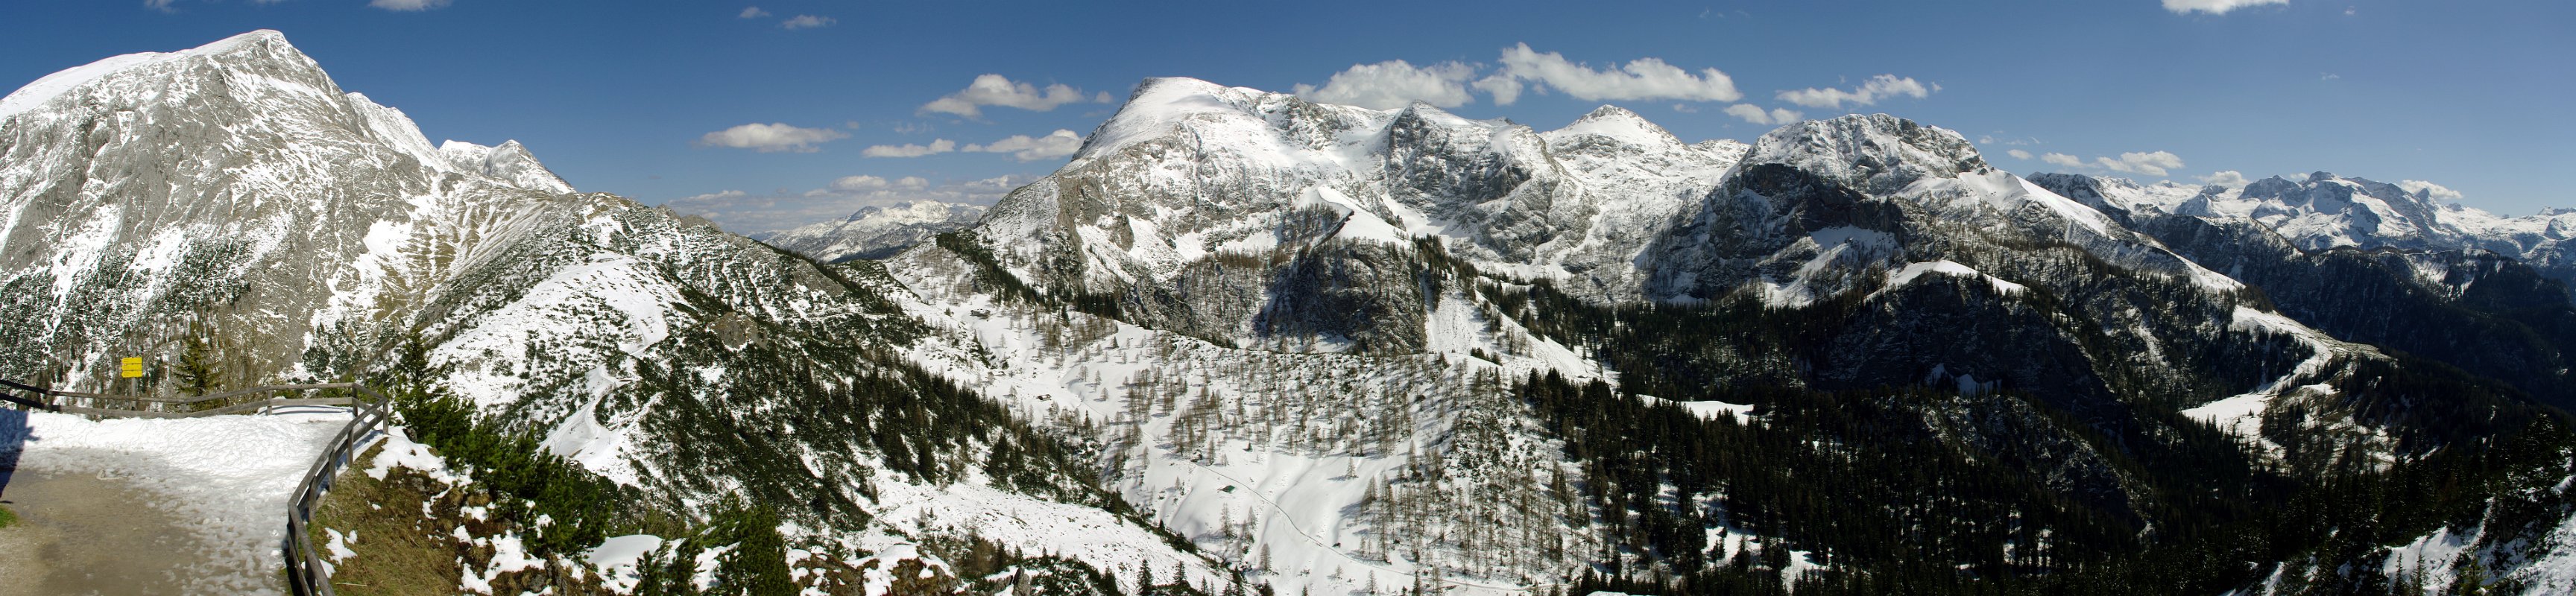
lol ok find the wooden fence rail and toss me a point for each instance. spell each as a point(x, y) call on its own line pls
point(306, 575)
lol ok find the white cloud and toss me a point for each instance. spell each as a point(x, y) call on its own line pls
point(936, 146)
point(1755, 114)
point(806, 21)
point(1505, 89)
point(407, 5)
point(728, 194)
point(2151, 163)
point(996, 90)
point(865, 183)
point(2225, 178)
point(1876, 88)
point(1685, 108)
point(2018, 154)
point(2328, 76)
point(771, 137)
point(2429, 189)
point(1055, 145)
point(1640, 79)
point(2215, 6)
point(1395, 84)
point(859, 183)
point(753, 12)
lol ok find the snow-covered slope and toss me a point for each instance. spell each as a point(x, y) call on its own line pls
point(1316, 473)
point(876, 232)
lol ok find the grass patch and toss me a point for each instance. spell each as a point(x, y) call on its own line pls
point(398, 551)
point(6, 518)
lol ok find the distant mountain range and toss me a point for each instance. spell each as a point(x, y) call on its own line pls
point(875, 232)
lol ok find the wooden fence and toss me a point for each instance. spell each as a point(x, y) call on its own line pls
point(305, 573)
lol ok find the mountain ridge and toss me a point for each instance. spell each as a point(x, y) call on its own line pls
point(875, 232)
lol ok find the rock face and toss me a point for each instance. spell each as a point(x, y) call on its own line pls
point(876, 232)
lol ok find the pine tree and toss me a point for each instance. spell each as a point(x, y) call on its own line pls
point(196, 371)
point(759, 562)
point(2472, 580)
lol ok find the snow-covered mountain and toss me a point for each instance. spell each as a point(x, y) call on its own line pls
point(2327, 211)
point(232, 187)
point(875, 232)
point(1243, 341)
point(1260, 220)
point(232, 196)
point(1188, 169)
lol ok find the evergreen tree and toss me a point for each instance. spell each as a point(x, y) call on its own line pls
point(757, 566)
point(2472, 580)
point(196, 372)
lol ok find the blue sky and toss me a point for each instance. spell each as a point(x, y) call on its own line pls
point(651, 99)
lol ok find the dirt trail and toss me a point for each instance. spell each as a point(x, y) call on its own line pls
point(82, 534)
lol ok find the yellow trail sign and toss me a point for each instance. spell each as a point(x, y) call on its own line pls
point(130, 368)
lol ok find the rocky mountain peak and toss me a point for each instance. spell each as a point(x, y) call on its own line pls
point(510, 162)
point(1876, 153)
point(286, 175)
point(264, 53)
point(1616, 123)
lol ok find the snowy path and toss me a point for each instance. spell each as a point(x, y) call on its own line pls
point(222, 483)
